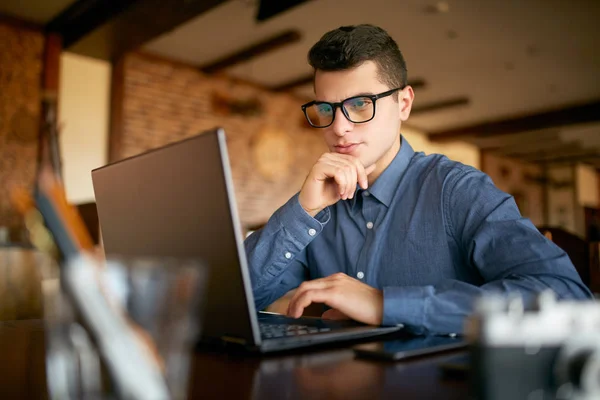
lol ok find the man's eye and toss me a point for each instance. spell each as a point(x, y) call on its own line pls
point(359, 103)
point(324, 109)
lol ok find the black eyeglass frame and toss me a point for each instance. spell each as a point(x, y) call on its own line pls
point(335, 106)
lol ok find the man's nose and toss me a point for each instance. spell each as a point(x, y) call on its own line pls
point(341, 125)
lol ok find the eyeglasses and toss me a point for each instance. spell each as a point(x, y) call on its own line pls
point(357, 109)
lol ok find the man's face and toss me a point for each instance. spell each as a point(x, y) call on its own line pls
point(373, 142)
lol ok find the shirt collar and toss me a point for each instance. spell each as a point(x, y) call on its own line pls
point(384, 188)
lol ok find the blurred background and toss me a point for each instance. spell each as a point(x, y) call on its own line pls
point(509, 87)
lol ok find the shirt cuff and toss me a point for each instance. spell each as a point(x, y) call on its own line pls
point(296, 221)
point(404, 305)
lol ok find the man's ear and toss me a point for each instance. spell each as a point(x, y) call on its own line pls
point(405, 102)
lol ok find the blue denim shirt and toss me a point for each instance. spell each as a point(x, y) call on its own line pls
point(432, 233)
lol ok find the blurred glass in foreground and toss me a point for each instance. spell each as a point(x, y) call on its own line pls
point(123, 329)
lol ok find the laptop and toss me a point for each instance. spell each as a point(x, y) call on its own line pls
point(178, 201)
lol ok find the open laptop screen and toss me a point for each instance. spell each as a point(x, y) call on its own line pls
point(177, 201)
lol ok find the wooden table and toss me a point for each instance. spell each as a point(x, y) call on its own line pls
point(22, 362)
point(314, 374)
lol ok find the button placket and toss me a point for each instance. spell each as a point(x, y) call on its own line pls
point(368, 214)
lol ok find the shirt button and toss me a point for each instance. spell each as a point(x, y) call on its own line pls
point(288, 255)
point(366, 194)
point(369, 225)
point(360, 275)
point(312, 232)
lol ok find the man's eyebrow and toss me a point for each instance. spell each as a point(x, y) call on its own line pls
point(349, 97)
point(362, 94)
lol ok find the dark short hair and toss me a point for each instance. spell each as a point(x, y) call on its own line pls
point(349, 46)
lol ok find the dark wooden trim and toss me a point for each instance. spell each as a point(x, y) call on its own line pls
point(117, 98)
point(51, 73)
point(528, 149)
point(580, 157)
point(417, 83)
point(511, 149)
point(440, 105)
point(524, 139)
point(108, 30)
point(577, 210)
point(575, 114)
point(565, 150)
point(598, 188)
point(152, 57)
point(273, 43)
point(545, 195)
point(48, 151)
point(83, 17)
point(270, 8)
point(20, 23)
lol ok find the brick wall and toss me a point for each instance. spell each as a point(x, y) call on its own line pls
point(165, 102)
point(21, 52)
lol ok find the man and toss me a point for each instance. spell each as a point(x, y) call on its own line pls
point(385, 235)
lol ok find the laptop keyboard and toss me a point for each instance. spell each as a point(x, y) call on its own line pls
point(283, 330)
point(280, 326)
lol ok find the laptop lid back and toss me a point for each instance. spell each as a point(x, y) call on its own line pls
point(178, 201)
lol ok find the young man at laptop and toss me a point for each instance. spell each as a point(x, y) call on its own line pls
point(385, 235)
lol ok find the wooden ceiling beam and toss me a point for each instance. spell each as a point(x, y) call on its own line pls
point(576, 114)
point(592, 159)
point(417, 83)
point(570, 151)
point(83, 16)
point(525, 148)
point(108, 29)
point(514, 139)
point(271, 8)
point(20, 23)
point(271, 44)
